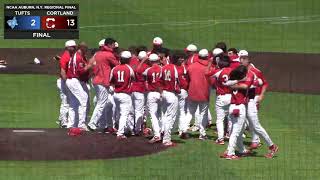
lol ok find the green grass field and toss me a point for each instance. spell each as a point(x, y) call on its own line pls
point(31, 101)
point(291, 119)
point(255, 25)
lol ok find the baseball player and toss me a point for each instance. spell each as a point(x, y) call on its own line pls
point(239, 81)
point(199, 91)
point(170, 89)
point(191, 51)
point(234, 57)
point(184, 120)
point(101, 62)
point(252, 111)
point(121, 77)
point(153, 86)
point(78, 90)
point(223, 94)
point(70, 48)
point(157, 44)
point(138, 90)
point(192, 57)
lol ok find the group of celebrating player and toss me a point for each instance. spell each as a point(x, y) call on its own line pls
point(166, 86)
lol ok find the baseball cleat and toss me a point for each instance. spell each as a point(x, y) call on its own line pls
point(232, 157)
point(169, 144)
point(219, 141)
point(184, 135)
point(64, 126)
point(224, 154)
point(194, 128)
point(255, 145)
point(246, 153)
point(147, 132)
point(121, 137)
point(85, 128)
point(155, 139)
point(272, 151)
point(203, 138)
point(92, 127)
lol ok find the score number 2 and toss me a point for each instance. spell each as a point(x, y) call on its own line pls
point(33, 22)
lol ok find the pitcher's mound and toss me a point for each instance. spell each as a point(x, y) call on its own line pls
point(55, 144)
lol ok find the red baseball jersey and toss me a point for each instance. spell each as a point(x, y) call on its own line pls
point(192, 59)
point(64, 60)
point(104, 60)
point(242, 96)
point(222, 76)
point(153, 76)
point(76, 66)
point(170, 78)
point(259, 75)
point(183, 77)
point(121, 76)
point(138, 84)
point(199, 84)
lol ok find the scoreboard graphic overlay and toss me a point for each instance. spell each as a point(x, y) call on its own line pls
point(41, 21)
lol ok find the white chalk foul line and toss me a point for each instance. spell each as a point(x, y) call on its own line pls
point(292, 19)
point(28, 131)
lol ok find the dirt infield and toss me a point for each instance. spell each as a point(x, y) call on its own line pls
point(55, 144)
point(286, 72)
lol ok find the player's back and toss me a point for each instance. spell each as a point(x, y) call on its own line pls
point(183, 77)
point(104, 60)
point(223, 77)
point(199, 85)
point(170, 78)
point(121, 77)
point(138, 83)
point(153, 77)
point(242, 96)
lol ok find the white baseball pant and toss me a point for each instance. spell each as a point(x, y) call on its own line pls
point(252, 116)
point(222, 110)
point(139, 105)
point(196, 117)
point(236, 139)
point(102, 94)
point(64, 106)
point(170, 106)
point(184, 121)
point(123, 103)
point(202, 116)
point(78, 102)
point(153, 106)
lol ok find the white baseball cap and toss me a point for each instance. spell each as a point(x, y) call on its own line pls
point(142, 55)
point(243, 53)
point(70, 43)
point(192, 48)
point(101, 42)
point(203, 53)
point(116, 44)
point(217, 51)
point(157, 41)
point(153, 57)
point(126, 54)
